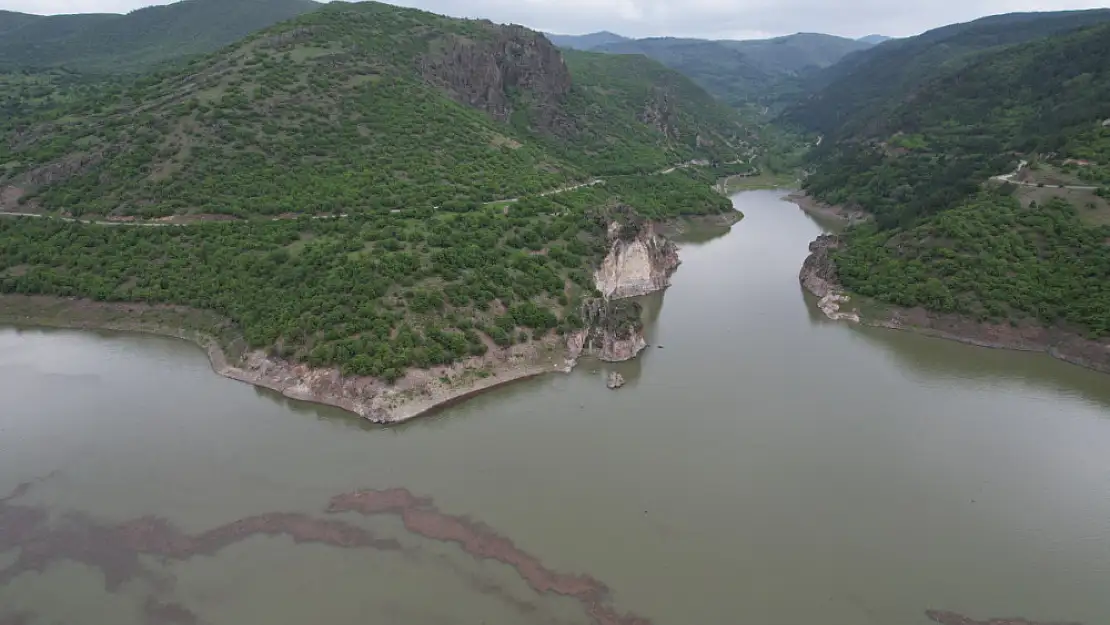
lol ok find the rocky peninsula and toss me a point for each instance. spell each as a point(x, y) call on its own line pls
point(640, 261)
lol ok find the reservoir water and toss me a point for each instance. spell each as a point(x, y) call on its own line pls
point(763, 466)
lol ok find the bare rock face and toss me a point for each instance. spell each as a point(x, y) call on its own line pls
point(481, 73)
point(613, 331)
point(819, 277)
point(658, 114)
point(819, 274)
point(636, 265)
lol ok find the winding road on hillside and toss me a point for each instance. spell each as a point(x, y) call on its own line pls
point(166, 221)
point(1010, 178)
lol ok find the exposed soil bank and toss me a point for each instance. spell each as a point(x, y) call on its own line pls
point(820, 209)
point(819, 277)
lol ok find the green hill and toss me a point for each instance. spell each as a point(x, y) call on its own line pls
point(443, 145)
point(141, 39)
point(865, 87)
point(363, 107)
point(942, 241)
point(743, 72)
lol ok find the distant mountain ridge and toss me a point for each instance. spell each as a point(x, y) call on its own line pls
point(585, 42)
point(758, 71)
point(864, 87)
point(874, 39)
point(115, 43)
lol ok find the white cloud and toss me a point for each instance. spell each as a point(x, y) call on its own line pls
point(686, 18)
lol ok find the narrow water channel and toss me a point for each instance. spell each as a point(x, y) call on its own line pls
point(763, 466)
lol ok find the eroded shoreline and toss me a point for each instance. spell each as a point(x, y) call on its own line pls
point(420, 392)
point(819, 278)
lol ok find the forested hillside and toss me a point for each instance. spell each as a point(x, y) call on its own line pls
point(935, 148)
point(360, 107)
point(109, 43)
point(867, 86)
point(365, 186)
point(946, 239)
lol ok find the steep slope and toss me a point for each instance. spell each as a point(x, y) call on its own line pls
point(586, 42)
point(137, 40)
point(362, 107)
point(743, 72)
point(941, 241)
point(867, 85)
point(939, 143)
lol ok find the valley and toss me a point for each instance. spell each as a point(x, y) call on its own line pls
point(364, 213)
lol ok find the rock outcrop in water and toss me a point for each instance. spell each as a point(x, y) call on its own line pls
point(615, 381)
point(613, 331)
point(640, 261)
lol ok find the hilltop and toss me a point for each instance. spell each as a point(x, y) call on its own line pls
point(111, 43)
point(362, 107)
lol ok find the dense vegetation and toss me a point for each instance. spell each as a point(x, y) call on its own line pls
point(943, 241)
point(414, 225)
point(929, 152)
point(990, 259)
point(764, 71)
point(372, 293)
point(109, 43)
point(330, 113)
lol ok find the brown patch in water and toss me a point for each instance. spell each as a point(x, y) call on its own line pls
point(421, 517)
point(115, 549)
point(951, 618)
point(19, 618)
point(156, 612)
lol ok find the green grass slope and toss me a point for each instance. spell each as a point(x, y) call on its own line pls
point(110, 43)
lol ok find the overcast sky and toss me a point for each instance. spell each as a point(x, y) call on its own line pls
point(716, 19)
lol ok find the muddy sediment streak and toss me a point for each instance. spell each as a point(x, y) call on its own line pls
point(952, 618)
point(116, 549)
point(421, 517)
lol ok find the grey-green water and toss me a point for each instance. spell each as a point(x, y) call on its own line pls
point(763, 466)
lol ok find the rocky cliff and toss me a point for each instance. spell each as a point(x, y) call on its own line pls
point(819, 277)
point(612, 331)
point(640, 261)
point(484, 73)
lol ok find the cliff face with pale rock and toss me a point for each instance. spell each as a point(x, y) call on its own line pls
point(819, 277)
point(613, 331)
point(636, 265)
